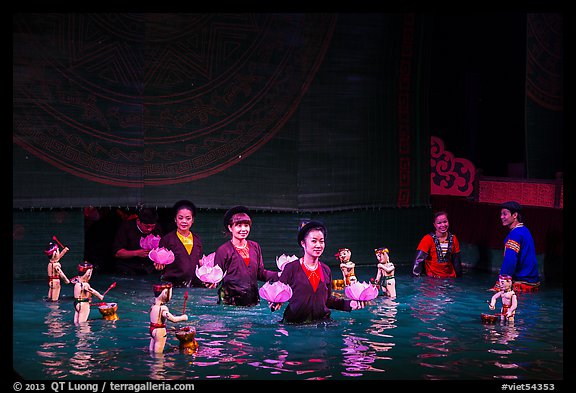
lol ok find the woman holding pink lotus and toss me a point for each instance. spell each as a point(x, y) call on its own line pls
point(186, 247)
point(311, 280)
point(133, 241)
point(241, 262)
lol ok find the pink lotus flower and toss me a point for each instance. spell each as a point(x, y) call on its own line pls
point(361, 291)
point(161, 255)
point(211, 274)
point(207, 260)
point(149, 242)
point(282, 260)
point(275, 292)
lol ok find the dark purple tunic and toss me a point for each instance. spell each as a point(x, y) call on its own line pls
point(239, 287)
point(305, 305)
point(182, 272)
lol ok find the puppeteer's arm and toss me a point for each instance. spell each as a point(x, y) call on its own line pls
point(457, 262)
point(419, 263)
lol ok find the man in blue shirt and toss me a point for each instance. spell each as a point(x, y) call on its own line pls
point(519, 251)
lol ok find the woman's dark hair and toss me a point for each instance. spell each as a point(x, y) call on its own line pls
point(184, 204)
point(306, 227)
point(438, 214)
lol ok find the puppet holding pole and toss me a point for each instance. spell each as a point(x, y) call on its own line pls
point(83, 292)
point(55, 273)
point(159, 314)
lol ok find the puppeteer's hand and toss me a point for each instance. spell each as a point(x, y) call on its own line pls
point(210, 285)
point(184, 317)
point(158, 266)
point(142, 253)
point(491, 306)
point(274, 306)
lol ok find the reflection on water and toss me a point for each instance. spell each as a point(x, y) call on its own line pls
point(383, 322)
point(358, 357)
point(501, 332)
point(50, 350)
point(161, 366)
point(82, 358)
point(432, 303)
point(432, 330)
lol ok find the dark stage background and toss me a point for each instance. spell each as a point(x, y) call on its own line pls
point(293, 115)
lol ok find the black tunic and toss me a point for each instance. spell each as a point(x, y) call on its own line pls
point(239, 286)
point(128, 238)
point(305, 305)
point(182, 272)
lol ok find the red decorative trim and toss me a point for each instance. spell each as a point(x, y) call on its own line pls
point(449, 175)
point(526, 193)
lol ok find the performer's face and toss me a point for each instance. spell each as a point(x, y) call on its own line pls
point(507, 217)
point(441, 223)
point(184, 219)
point(313, 243)
point(239, 230)
point(146, 228)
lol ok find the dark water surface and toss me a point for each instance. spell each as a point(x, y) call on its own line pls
point(432, 331)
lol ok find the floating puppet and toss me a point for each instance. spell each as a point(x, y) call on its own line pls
point(508, 298)
point(83, 292)
point(159, 314)
point(346, 265)
point(385, 277)
point(55, 273)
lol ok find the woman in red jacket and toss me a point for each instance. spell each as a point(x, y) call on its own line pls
point(438, 253)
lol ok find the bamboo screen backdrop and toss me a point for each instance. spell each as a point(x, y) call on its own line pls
point(275, 111)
